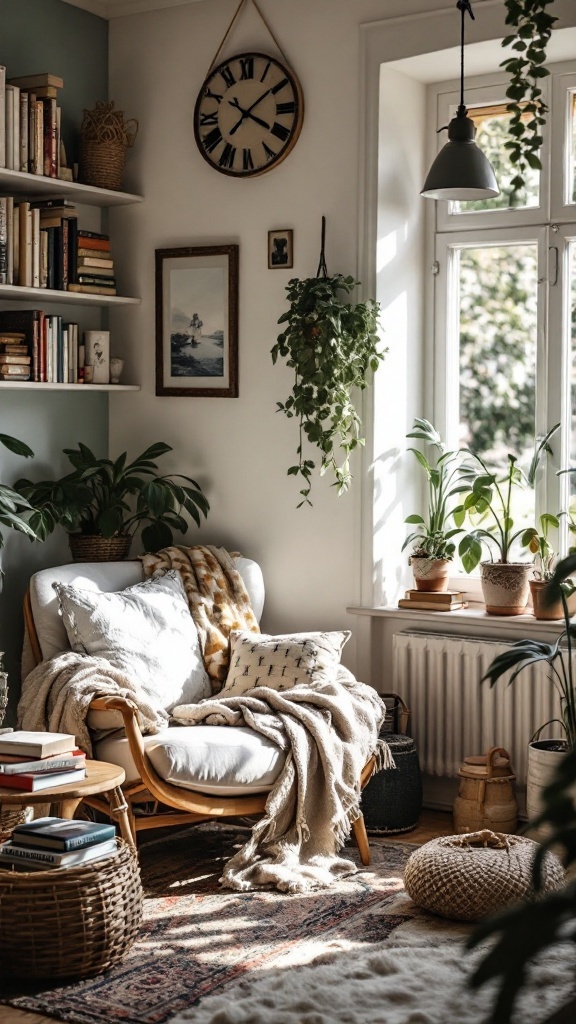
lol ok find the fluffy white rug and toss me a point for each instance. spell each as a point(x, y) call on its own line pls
point(417, 976)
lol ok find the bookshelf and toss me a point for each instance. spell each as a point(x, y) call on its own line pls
point(33, 186)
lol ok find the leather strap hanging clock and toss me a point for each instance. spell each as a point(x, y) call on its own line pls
point(249, 112)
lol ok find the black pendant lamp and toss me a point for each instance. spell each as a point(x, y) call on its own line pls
point(461, 171)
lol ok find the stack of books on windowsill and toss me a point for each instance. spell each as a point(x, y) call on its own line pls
point(50, 843)
point(429, 601)
point(33, 761)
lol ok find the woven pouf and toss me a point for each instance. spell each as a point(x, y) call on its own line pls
point(70, 922)
point(392, 800)
point(468, 876)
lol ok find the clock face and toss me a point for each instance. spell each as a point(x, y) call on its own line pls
point(248, 115)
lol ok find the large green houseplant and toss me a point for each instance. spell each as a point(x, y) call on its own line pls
point(432, 540)
point(332, 345)
point(15, 509)
point(111, 499)
point(505, 583)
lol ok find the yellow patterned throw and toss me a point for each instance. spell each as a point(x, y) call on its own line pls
point(217, 596)
point(281, 662)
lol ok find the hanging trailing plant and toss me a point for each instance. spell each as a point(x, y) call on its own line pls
point(332, 346)
point(532, 26)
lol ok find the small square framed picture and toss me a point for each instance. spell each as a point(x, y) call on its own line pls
point(281, 249)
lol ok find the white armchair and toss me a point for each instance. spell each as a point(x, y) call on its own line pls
point(179, 775)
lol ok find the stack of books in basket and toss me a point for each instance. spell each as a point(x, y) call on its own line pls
point(32, 761)
point(52, 843)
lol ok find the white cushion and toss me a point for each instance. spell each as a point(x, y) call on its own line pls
point(146, 631)
point(281, 662)
point(223, 761)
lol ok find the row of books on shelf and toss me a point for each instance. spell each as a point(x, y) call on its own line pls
point(32, 761)
point(41, 246)
point(43, 347)
point(57, 843)
point(30, 125)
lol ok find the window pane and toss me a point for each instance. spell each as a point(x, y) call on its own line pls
point(492, 131)
point(572, 144)
point(572, 477)
point(497, 355)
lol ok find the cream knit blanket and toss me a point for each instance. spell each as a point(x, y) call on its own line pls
point(328, 731)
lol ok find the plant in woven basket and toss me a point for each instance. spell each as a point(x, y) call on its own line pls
point(107, 498)
point(104, 138)
point(15, 509)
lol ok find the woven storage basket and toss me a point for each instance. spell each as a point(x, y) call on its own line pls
point(104, 138)
point(70, 922)
point(392, 800)
point(86, 548)
point(9, 818)
point(467, 876)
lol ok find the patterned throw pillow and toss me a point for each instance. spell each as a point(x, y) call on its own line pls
point(280, 662)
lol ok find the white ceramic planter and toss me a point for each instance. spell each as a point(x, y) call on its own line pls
point(542, 763)
point(430, 574)
point(505, 586)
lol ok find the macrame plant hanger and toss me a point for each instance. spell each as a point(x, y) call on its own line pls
point(241, 5)
point(322, 268)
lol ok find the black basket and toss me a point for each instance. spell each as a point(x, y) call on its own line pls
point(392, 800)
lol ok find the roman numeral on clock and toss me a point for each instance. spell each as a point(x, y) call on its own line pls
point(265, 72)
point(270, 154)
point(286, 108)
point(208, 119)
point(247, 161)
point(227, 156)
point(213, 96)
point(228, 77)
point(211, 140)
point(279, 85)
point(280, 131)
point(246, 67)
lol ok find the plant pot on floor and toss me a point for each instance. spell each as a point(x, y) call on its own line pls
point(93, 548)
point(544, 756)
point(430, 574)
point(548, 612)
point(505, 586)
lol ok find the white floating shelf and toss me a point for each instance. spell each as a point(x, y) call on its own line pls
point(38, 184)
point(34, 385)
point(39, 295)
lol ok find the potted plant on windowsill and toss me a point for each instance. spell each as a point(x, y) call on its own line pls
point(434, 546)
point(103, 502)
point(545, 559)
point(505, 583)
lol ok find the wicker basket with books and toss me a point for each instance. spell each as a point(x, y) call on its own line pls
point(69, 922)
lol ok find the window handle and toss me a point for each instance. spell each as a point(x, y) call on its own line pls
point(553, 250)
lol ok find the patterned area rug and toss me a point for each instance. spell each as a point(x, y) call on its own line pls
point(198, 938)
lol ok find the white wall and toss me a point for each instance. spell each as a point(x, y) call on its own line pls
point(239, 449)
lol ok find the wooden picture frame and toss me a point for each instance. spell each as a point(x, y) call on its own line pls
point(281, 249)
point(197, 321)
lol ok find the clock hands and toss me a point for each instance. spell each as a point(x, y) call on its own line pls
point(248, 113)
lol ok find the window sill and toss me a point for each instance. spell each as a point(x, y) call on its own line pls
point(474, 616)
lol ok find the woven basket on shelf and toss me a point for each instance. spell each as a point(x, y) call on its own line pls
point(93, 548)
point(467, 876)
point(104, 138)
point(70, 922)
point(10, 817)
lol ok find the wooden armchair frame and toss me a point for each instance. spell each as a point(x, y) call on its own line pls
point(186, 805)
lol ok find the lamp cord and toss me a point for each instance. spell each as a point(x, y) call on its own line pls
point(322, 268)
point(463, 6)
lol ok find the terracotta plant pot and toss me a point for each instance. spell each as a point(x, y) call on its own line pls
point(505, 586)
point(430, 574)
point(551, 611)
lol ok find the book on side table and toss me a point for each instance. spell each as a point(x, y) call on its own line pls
point(32, 761)
point(53, 843)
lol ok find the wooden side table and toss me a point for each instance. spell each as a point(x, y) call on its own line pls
point(101, 777)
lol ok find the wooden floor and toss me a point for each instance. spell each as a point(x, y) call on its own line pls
point(431, 825)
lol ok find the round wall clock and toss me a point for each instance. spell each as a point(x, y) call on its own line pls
point(248, 115)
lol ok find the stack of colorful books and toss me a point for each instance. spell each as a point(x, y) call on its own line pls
point(94, 272)
point(51, 843)
point(32, 761)
point(15, 358)
point(430, 601)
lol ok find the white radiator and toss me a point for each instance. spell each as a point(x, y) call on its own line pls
point(454, 715)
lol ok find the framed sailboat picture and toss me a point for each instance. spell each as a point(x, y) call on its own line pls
point(197, 321)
